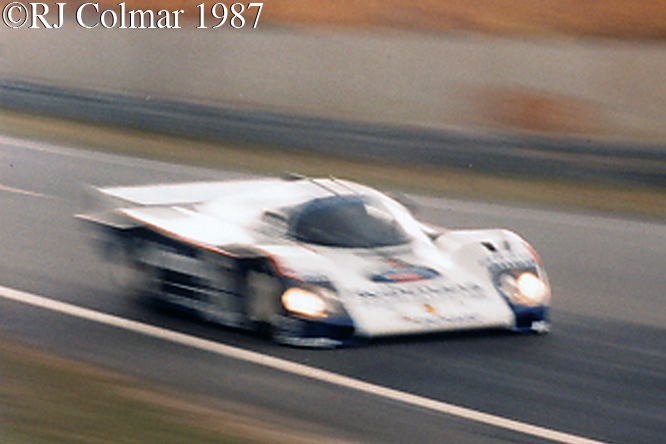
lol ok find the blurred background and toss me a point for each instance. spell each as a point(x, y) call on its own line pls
point(563, 90)
point(593, 68)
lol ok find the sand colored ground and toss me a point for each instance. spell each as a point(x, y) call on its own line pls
point(645, 19)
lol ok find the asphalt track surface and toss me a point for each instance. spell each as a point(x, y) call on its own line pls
point(600, 376)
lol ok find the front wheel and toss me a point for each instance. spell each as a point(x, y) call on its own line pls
point(262, 300)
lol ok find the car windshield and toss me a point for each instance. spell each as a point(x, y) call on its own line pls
point(347, 222)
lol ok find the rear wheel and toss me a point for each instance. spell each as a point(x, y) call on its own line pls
point(125, 272)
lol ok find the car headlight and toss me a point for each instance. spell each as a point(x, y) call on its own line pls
point(524, 288)
point(304, 302)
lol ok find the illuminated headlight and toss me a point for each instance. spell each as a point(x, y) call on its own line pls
point(304, 302)
point(524, 288)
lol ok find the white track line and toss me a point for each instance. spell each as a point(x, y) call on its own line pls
point(290, 367)
point(8, 189)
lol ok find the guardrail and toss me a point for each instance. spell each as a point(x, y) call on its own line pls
point(550, 157)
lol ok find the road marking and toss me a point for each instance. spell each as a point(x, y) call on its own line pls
point(291, 367)
point(24, 192)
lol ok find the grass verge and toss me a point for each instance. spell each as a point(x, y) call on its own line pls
point(46, 399)
point(635, 201)
point(51, 400)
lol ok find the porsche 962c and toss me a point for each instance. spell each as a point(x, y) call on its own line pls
point(316, 262)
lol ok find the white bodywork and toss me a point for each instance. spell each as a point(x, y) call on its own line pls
point(438, 282)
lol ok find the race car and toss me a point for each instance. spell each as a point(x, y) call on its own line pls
point(316, 262)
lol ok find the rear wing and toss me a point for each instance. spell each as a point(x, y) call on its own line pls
point(103, 205)
point(101, 209)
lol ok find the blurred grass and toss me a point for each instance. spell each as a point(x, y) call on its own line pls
point(611, 198)
point(624, 19)
point(48, 400)
point(621, 19)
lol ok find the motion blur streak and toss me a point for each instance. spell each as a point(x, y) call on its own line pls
point(289, 367)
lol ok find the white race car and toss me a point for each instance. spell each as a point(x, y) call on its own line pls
point(317, 262)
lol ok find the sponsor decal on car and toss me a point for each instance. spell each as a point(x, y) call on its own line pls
point(422, 294)
point(497, 264)
point(434, 320)
point(400, 271)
